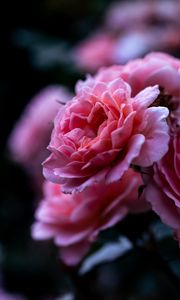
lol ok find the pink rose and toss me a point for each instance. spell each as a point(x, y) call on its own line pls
point(74, 220)
point(155, 68)
point(102, 131)
point(31, 134)
point(163, 189)
point(94, 52)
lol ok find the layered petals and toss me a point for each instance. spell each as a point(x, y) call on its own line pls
point(102, 131)
point(74, 221)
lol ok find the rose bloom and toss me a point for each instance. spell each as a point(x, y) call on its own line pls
point(139, 73)
point(155, 68)
point(94, 52)
point(31, 134)
point(74, 220)
point(163, 189)
point(102, 131)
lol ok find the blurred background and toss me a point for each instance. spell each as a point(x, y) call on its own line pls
point(48, 42)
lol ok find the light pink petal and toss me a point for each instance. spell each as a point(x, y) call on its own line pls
point(80, 185)
point(42, 231)
point(166, 77)
point(71, 235)
point(156, 137)
point(72, 255)
point(102, 159)
point(146, 97)
point(120, 136)
point(132, 151)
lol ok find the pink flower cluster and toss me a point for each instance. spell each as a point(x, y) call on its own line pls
point(130, 30)
point(123, 119)
point(162, 189)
